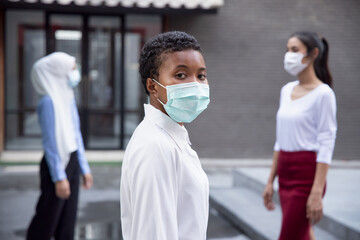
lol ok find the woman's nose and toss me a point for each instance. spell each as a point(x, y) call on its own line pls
point(195, 79)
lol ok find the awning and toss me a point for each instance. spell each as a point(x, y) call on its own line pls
point(157, 4)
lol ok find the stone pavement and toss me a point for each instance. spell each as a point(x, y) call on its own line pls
point(238, 196)
point(99, 208)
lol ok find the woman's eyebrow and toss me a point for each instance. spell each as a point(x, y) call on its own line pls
point(181, 66)
point(184, 66)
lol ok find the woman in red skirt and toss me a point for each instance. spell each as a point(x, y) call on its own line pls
point(305, 136)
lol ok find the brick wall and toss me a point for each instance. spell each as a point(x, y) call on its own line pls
point(244, 44)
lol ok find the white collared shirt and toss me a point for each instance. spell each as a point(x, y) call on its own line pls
point(164, 191)
point(307, 123)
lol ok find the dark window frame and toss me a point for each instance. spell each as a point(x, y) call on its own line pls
point(85, 113)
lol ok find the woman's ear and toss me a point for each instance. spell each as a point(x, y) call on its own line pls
point(311, 57)
point(150, 86)
point(315, 53)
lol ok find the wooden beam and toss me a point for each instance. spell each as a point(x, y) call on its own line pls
point(73, 8)
point(165, 23)
point(2, 79)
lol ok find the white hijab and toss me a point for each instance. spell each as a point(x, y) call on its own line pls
point(49, 77)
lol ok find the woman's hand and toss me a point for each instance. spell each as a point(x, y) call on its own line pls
point(314, 209)
point(87, 181)
point(267, 196)
point(62, 189)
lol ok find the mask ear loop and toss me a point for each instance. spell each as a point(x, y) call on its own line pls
point(161, 86)
point(158, 83)
point(304, 56)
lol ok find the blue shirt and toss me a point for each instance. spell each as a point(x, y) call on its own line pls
point(45, 111)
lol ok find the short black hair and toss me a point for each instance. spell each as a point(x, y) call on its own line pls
point(150, 57)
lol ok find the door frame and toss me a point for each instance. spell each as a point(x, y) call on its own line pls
point(2, 79)
point(85, 111)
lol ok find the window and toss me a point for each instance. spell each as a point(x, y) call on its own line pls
point(110, 97)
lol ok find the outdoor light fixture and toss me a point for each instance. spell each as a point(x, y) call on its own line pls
point(68, 35)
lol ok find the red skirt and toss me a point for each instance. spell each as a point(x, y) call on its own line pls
point(296, 172)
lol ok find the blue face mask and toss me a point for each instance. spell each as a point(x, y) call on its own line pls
point(186, 101)
point(74, 78)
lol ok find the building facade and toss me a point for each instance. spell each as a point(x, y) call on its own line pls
point(244, 46)
point(243, 43)
point(106, 38)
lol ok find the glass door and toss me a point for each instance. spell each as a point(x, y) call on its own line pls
point(95, 41)
point(24, 44)
point(104, 83)
point(110, 96)
point(66, 36)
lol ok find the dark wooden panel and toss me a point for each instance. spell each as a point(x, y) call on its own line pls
point(2, 79)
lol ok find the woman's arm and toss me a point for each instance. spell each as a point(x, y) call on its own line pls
point(273, 172)
point(314, 209)
point(46, 116)
point(326, 127)
point(326, 135)
point(47, 123)
point(84, 165)
point(149, 189)
point(269, 189)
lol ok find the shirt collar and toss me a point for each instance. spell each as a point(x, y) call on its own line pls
point(177, 132)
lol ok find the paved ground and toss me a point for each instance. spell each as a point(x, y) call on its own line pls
point(241, 202)
point(99, 208)
point(342, 198)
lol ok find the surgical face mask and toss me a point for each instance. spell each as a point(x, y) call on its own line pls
point(186, 101)
point(74, 78)
point(293, 64)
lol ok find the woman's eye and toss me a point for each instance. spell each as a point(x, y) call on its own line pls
point(180, 75)
point(202, 76)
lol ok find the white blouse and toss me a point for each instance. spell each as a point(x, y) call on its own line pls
point(307, 123)
point(164, 191)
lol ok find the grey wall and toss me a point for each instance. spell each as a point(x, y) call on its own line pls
point(244, 44)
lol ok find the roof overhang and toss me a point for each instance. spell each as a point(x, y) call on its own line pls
point(168, 7)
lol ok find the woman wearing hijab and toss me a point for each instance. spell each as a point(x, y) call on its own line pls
point(53, 77)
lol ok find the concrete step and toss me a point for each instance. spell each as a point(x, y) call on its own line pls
point(244, 208)
point(242, 237)
point(255, 179)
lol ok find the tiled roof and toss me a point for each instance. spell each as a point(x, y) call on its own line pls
point(174, 4)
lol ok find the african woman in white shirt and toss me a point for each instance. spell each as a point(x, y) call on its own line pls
point(305, 136)
point(164, 191)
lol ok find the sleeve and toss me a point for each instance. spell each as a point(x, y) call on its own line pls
point(152, 193)
point(327, 127)
point(47, 124)
point(84, 165)
point(276, 145)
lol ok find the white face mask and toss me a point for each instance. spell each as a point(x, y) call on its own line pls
point(74, 78)
point(293, 64)
point(185, 101)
